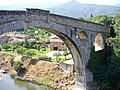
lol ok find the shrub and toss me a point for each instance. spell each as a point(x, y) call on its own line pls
point(30, 52)
point(45, 58)
point(17, 65)
point(6, 46)
point(21, 50)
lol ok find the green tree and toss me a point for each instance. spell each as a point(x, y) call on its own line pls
point(65, 53)
point(6, 46)
point(26, 43)
point(115, 41)
point(31, 43)
point(12, 61)
point(91, 15)
point(102, 19)
point(21, 50)
point(57, 55)
point(105, 64)
point(30, 53)
point(14, 47)
point(17, 65)
point(17, 43)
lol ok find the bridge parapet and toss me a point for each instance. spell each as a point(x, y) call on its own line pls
point(37, 11)
point(38, 15)
point(80, 24)
point(10, 16)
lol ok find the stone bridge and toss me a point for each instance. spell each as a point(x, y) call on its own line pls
point(79, 35)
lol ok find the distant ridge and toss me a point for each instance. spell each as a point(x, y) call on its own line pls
point(118, 5)
point(72, 8)
point(76, 9)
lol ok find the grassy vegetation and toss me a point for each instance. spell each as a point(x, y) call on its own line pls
point(44, 51)
point(61, 59)
point(45, 80)
point(11, 52)
point(38, 52)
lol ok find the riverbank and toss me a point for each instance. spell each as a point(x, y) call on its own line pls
point(1, 75)
point(40, 72)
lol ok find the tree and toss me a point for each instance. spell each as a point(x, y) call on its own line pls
point(21, 50)
point(17, 43)
point(102, 19)
point(115, 41)
point(91, 15)
point(14, 47)
point(65, 53)
point(105, 64)
point(6, 46)
point(57, 55)
point(30, 53)
point(17, 65)
point(12, 61)
point(37, 46)
point(26, 43)
point(30, 43)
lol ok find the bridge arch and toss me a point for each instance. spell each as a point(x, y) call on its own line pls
point(83, 35)
point(79, 63)
point(99, 42)
point(66, 37)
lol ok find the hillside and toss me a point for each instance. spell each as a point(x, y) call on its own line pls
point(72, 8)
point(76, 9)
point(118, 5)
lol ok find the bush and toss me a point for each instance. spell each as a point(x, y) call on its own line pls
point(12, 61)
point(6, 46)
point(17, 65)
point(30, 52)
point(21, 50)
point(45, 58)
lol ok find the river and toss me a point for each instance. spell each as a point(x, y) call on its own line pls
point(9, 83)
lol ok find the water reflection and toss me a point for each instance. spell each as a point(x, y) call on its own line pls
point(8, 83)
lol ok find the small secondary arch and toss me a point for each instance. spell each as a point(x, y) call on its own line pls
point(99, 42)
point(83, 35)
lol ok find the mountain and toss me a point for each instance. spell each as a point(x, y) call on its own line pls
point(27, 5)
point(118, 5)
point(72, 8)
point(76, 9)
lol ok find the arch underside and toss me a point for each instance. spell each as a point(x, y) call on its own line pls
point(69, 39)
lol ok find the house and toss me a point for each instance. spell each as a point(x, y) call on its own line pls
point(19, 37)
point(57, 44)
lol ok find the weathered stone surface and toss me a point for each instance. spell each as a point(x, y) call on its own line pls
point(68, 29)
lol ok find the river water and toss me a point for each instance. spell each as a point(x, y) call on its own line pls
point(9, 83)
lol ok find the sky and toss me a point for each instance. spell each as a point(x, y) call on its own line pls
point(50, 2)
